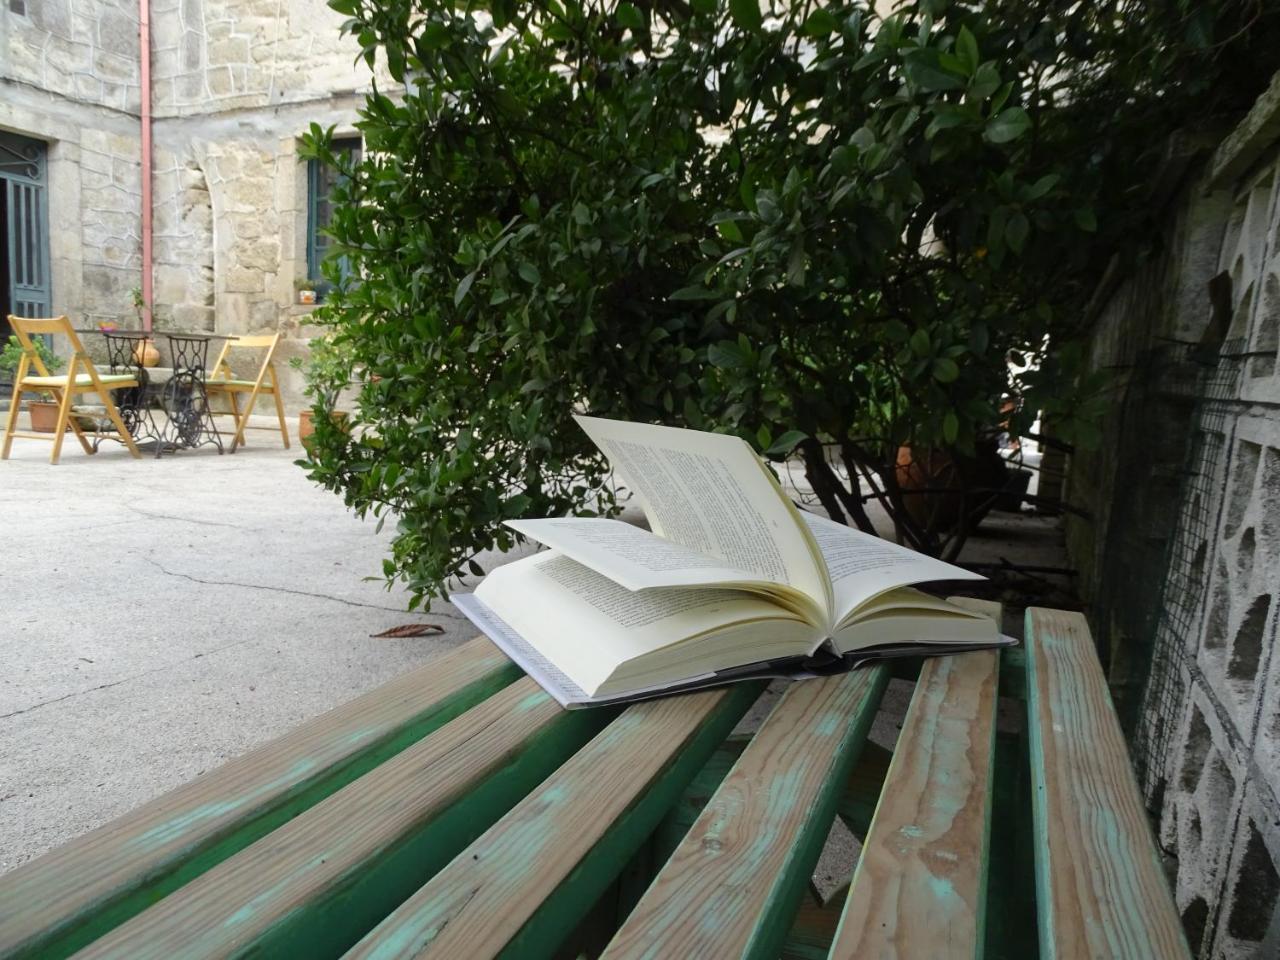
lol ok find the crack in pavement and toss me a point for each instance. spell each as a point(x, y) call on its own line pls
point(167, 516)
point(304, 593)
point(116, 683)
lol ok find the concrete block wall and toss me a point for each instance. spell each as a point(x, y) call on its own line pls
point(1206, 728)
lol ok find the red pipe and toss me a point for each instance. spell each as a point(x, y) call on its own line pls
point(144, 43)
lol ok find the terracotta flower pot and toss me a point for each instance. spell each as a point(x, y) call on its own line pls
point(44, 416)
point(146, 353)
point(306, 427)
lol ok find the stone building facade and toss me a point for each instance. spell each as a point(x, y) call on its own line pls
point(1180, 553)
point(234, 83)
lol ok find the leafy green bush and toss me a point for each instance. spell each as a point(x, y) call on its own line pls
point(11, 355)
point(819, 229)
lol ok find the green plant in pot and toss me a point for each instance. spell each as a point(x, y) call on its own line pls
point(43, 413)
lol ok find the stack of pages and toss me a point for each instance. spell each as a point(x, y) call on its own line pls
point(731, 582)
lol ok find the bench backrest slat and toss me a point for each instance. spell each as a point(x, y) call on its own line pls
point(61, 901)
point(526, 883)
point(1100, 891)
point(320, 882)
point(733, 885)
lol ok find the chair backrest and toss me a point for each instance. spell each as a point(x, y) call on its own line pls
point(254, 341)
point(24, 328)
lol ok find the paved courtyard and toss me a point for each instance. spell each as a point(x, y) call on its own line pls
point(161, 617)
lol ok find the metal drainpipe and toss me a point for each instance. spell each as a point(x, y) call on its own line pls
point(144, 42)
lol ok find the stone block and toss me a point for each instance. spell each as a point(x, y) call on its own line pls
point(245, 280)
point(117, 32)
point(110, 66)
point(193, 316)
point(259, 255)
point(234, 50)
point(220, 81)
point(250, 193)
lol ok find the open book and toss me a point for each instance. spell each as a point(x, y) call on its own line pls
point(730, 582)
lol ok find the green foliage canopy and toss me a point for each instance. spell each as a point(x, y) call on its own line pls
point(797, 222)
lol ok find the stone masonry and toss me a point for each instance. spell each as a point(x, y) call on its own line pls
point(1187, 612)
point(234, 85)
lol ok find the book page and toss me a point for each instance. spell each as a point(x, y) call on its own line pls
point(710, 493)
point(589, 626)
point(626, 554)
point(862, 566)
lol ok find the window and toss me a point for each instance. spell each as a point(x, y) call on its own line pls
point(321, 181)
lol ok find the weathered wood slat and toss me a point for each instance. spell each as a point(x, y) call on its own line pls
point(1100, 891)
point(315, 885)
point(63, 900)
point(733, 885)
point(524, 885)
point(920, 885)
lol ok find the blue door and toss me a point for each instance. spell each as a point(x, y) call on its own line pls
point(24, 229)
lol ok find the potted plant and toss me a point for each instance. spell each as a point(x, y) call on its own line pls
point(145, 352)
point(306, 288)
point(43, 413)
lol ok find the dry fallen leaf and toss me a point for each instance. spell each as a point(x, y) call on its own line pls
point(409, 630)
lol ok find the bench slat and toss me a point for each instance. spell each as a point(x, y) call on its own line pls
point(1100, 890)
point(525, 884)
point(315, 885)
point(63, 900)
point(920, 885)
point(732, 887)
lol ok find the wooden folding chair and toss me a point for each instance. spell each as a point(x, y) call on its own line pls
point(81, 377)
point(223, 382)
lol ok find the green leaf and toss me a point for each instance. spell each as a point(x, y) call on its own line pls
point(920, 342)
point(945, 370)
point(763, 437)
point(1085, 219)
point(725, 355)
point(820, 23)
point(967, 49)
point(950, 426)
point(629, 16)
point(463, 286)
point(1016, 230)
point(746, 14)
point(1008, 125)
point(925, 72)
point(528, 272)
point(786, 443)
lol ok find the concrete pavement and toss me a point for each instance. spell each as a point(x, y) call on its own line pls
point(162, 616)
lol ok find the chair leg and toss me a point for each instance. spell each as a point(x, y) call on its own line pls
point(238, 438)
point(124, 433)
point(85, 445)
point(11, 421)
point(244, 420)
point(284, 428)
point(64, 414)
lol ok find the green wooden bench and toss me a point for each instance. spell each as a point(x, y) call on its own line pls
point(458, 812)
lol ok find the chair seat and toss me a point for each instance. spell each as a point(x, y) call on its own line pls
point(214, 383)
point(83, 380)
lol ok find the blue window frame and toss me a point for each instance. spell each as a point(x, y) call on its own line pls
point(321, 181)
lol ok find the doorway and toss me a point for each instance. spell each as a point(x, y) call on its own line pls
point(24, 229)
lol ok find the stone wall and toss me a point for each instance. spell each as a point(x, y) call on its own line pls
point(235, 83)
point(1180, 558)
point(69, 76)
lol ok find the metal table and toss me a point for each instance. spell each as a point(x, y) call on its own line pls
point(188, 421)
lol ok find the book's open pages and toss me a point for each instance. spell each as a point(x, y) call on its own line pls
point(731, 580)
